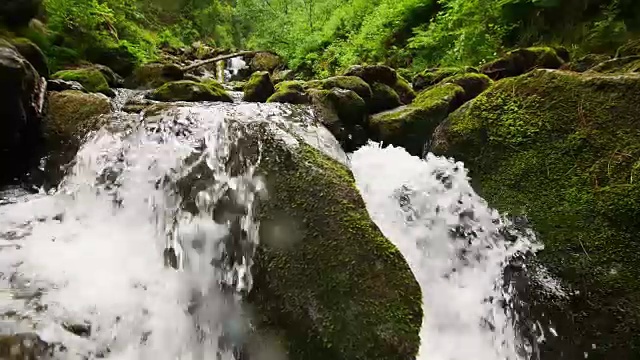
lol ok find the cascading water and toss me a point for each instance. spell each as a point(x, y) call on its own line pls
point(91, 266)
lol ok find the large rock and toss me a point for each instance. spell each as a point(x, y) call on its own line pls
point(21, 101)
point(118, 57)
point(154, 75)
point(564, 149)
point(586, 62)
point(259, 87)
point(344, 113)
point(520, 61)
point(324, 274)
point(91, 79)
point(383, 98)
point(186, 90)
point(472, 83)
point(291, 92)
point(381, 74)
point(618, 65)
point(71, 115)
point(33, 54)
point(23, 346)
point(352, 83)
point(411, 126)
point(265, 61)
point(16, 13)
point(433, 76)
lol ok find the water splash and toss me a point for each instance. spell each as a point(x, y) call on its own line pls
point(456, 247)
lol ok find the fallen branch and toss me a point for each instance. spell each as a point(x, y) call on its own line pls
point(220, 58)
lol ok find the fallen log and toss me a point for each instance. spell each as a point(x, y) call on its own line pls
point(220, 58)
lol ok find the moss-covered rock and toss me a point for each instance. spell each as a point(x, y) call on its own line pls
point(23, 346)
point(90, 78)
point(150, 76)
point(564, 149)
point(71, 115)
point(33, 54)
point(344, 113)
point(352, 83)
point(373, 73)
point(117, 56)
point(411, 126)
point(383, 98)
point(520, 61)
point(265, 61)
point(283, 75)
point(586, 62)
point(472, 83)
point(630, 48)
point(259, 87)
point(62, 85)
point(433, 76)
point(291, 92)
point(113, 79)
point(404, 90)
point(618, 65)
point(185, 90)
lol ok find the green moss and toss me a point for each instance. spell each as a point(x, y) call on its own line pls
point(265, 62)
point(92, 79)
point(630, 48)
point(563, 148)
point(411, 126)
point(291, 92)
point(324, 273)
point(472, 83)
point(186, 90)
point(404, 90)
point(587, 62)
point(520, 61)
point(259, 87)
point(374, 73)
point(352, 83)
point(384, 98)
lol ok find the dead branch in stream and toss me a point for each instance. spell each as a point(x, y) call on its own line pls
point(220, 58)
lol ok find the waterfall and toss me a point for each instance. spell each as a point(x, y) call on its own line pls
point(99, 255)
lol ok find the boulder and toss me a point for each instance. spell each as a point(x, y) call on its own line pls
point(117, 57)
point(24, 346)
point(62, 85)
point(630, 48)
point(283, 75)
point(265, 61)
point(291, 92)
point(383, 98)
point(91, 79)
point(344, 114)
point(373, 73)
point(433, 76)
point(150, 76)
point(17, 13)
point(113, 79)
point(186, 90)
point(259, 87)
point(586, 62)
point(618, 65)
point(33, 54)
point(563, 149)
point(352, 83)
point(71, 115)
point(21, 100)
point(472, 83)
point(404, 90)
point(521, 61)
point(411, 126)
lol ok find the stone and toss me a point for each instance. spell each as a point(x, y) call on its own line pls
point(259, 87)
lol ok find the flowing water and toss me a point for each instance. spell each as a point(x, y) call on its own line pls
point(90, 267)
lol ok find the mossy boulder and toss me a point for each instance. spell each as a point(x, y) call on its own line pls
point(383, 98)
point(520, 61)
point(265, 61)
point(150, 76)
point(586, 62)
point(630, 48)
point(619, 65)
point(24, 346)
point(324, 274)
point(283, 75)
point(90, 78)
point(564, 149)
point(113, 79)
point(433, 76)
point(259, 87)
point(352, 83)
point(71, 115)
point(411, 126)
point(343, 113)
point(117, 56)
point(291, 92)
point(186, 90)
point(21, 99)
point(373, 73)
point(404, 90)
point(472, 83)
point(33, 54)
